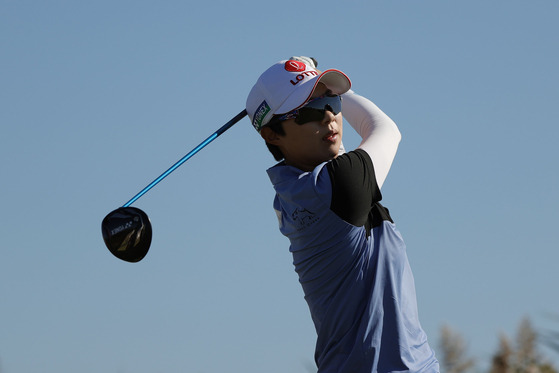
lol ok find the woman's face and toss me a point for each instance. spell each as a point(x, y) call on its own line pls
point(307, 145)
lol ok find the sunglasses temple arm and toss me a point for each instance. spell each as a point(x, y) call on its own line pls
point(211, 138)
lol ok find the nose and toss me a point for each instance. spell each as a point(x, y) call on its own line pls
point(329, 117)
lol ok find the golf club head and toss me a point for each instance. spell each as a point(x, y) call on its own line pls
point(127, 233)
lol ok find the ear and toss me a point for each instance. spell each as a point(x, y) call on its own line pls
point(269, 136)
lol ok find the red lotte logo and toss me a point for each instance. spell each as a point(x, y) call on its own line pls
point(294, 66)
point(297, 66)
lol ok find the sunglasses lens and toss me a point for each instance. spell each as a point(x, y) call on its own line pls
point(331, 103)
point(307, 115)
point(315, 109)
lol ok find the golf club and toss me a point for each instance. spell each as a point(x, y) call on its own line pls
point(127, 230)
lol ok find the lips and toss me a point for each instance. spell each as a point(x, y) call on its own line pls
point(331, 136)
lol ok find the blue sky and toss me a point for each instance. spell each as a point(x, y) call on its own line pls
point(99, 98)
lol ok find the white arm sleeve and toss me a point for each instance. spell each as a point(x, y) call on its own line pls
point(380, 135)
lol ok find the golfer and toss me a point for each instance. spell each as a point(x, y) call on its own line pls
point(349, 256)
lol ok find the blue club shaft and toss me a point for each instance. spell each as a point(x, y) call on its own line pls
point(211, 138)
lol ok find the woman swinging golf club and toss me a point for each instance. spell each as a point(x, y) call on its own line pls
point(349, 256)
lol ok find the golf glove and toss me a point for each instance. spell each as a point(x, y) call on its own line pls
point(306, 60)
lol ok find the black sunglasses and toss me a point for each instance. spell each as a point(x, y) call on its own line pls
point(314, 110)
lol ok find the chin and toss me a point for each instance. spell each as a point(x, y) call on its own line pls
point(335, 152)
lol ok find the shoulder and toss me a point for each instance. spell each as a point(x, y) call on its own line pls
point(348, 164)
point(354, 187)
point(352, 172)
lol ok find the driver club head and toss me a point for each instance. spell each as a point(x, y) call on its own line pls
point(127, 233)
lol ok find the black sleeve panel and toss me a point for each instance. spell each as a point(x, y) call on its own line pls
point(355, 192)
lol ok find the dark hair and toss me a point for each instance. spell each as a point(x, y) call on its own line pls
point(276, 126)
